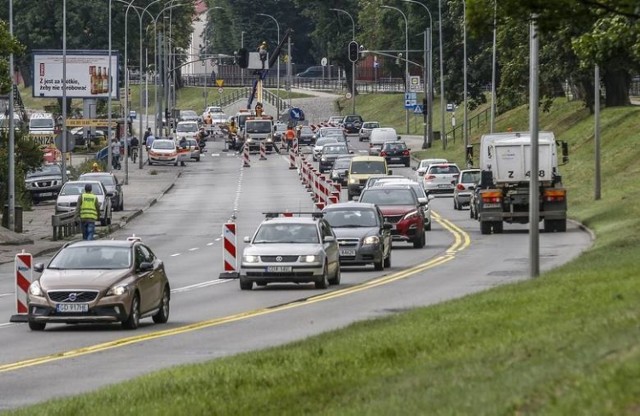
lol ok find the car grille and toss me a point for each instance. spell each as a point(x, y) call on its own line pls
point(279, 259)
point(348, 242)
point(66, 296)
point(44, 184)
point(393, 218)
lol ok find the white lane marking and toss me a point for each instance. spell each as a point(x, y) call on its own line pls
point(2, 295)
point(194, 248)
point(175, 254)
point(215, 154)
point(200, 285)
point(217, 239)
point(210, 244)
point(8, 324)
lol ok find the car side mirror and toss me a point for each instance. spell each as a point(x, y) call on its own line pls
point(399, 137)
point(472, 187)
point(145, 266)
point(390, 172)
point(110, 194)
point(346, 172)
point(246, 239)
point(38, 267)
point(387, 226)
point(423, 201)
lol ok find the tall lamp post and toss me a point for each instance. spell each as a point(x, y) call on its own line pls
point(406, 57)
point(493, 70)
point(278, 64)
point(428, 62)
point(353, 64)
point(465, 126)
point(443, 136)
point(12, 139)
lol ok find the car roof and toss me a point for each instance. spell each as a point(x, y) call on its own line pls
point(350, 205)
point(291, 220)
point(101, 243)
point(90, 174)
point(368, 159)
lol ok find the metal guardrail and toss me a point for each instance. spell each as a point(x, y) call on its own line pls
point(477, 119)
point(65, 225)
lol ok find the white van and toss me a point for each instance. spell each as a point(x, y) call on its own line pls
point(42, 123)
point(379, 136)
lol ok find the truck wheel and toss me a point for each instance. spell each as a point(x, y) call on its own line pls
point(485, 227)
point(497, 227)
point(555, 225)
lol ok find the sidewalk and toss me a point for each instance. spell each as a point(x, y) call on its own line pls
point(144, 188)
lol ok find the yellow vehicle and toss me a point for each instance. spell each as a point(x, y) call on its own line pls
point(361, 169)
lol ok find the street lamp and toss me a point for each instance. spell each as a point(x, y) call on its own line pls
point(493, 70)
point(428, 128)
point(465, 126)
point(278, 65)
point(12, 140)
point(353, 64)
point(443, 135)
point(406, 57)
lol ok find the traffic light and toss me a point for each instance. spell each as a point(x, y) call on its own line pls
point(243, 58)
point(425, 108)
point(353, 51)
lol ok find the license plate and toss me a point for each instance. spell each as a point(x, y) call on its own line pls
point(279, 269)
point(491, 205)
point(347, 252)
point(72, 307)
point(445, 186)
point(46, 194)
point(395, 158)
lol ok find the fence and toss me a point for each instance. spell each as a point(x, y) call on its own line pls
point(65, 225)
point(483, 116)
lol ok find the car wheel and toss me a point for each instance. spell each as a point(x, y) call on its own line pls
point(162, 316)
point(419, 243)
point(323, 281)
point(133, 320)
point(150, 163)
point(121, 206)
point(336, 277)
point(407, 164)
point(37, 326)
point(387, 260)
point(485, 227)
point(428, 227)
point(175, 164)
point(245, 284)
point(455, 204)
point(197, 159)
point(379, 265)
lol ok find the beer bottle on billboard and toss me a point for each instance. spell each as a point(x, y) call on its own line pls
point(105, 85)
point(99, 81)
point(92, 79)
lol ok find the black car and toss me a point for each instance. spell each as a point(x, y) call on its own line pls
point(329, 154)
point(340, 169)
point(363, 236)
point(306, 136)
point(396, 153)
point(352, 124)
point(44, 182)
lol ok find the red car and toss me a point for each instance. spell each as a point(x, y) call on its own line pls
point(400, 207)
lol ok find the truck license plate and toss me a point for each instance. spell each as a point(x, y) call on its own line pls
point(72, 307)
point(491, 205)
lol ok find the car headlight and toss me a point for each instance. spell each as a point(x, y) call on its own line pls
point(411, 215)
point(35, 289)
point(250, 259)
point(324, 159)
point(117, 290)
point(269, 140)
point(353, 180)
point(309, 259)
point(372, 239)
point(249, 140)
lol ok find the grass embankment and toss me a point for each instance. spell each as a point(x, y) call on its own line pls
point(565, 343)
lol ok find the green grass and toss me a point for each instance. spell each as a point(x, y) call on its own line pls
point(565, 343)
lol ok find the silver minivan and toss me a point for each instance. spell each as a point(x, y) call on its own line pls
point(380, 135)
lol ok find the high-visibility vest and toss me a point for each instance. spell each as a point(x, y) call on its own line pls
point(290, 135)
point(88, 209)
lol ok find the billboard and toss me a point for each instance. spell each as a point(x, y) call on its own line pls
point(87, 74)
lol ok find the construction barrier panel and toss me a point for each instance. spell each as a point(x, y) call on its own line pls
point(24, 277)
point(263, 151)
point(245, 156)
point(229, 252)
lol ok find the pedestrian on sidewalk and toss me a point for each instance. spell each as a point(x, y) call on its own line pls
point(115, 153)
point(88, 209)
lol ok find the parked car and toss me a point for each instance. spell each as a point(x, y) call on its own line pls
point(163, 151)
point(352, 123)
point(365, 130)
point(467, 182)
point(311, 72)
point(97, 282)
point(362, 234)
point(111, 184)
point(67, 200)
point(396, 153)
point(440, 177)
point(400, 206)
point(44, 183)
point(424, 165)
point(297, 249)
point(330, 152)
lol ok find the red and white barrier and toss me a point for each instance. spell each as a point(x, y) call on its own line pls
point(24, 277)
point(263, 151)
point(229, 252)
point(293, 151)
point(245, 156)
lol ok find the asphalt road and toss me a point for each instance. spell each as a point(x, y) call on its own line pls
point(212, 318)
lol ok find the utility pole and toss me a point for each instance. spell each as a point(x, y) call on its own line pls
point(534, 191)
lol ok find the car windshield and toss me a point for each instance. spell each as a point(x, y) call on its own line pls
point(77, 188)
point(331, 132)
point(367, 167)
point(287, 233)
point(370, 125)
point(281, 127)
point(45, 170)
point(163, 144)
point(351, 218)
point(341, 164)
point(188, 113)
point(92, 257)
point(330, 149)
point(394, 147)
point(443, 170)
point(306, 130)
point(258, 127)
point(191, 142)
point(322, 142)
point(187, 128)
point(107, 180)
point(41, 123)
point(381, 196)
point(417, 188)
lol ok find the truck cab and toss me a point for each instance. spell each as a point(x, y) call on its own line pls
point(259, 130)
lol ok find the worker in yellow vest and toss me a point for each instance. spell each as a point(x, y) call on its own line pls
point(88, 208)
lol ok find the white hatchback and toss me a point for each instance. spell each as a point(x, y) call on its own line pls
point(440, 178)
point(163, 151)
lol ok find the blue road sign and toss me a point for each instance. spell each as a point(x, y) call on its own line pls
point(450, 107)
point(417, 109)
point(296, 114)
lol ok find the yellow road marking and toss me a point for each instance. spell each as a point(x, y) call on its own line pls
point(461, 242)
